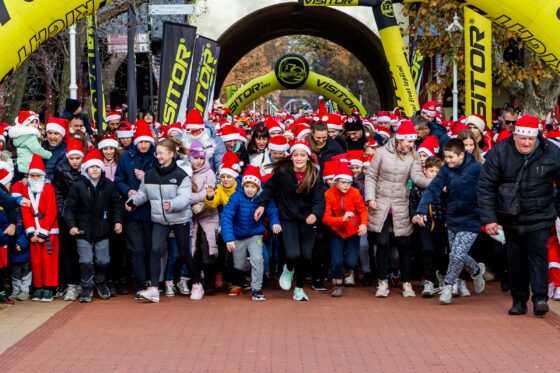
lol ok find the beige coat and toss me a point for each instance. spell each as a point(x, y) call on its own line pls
point(386, 184)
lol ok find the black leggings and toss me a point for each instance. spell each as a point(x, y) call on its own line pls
point(69, 266)
point(299, 239)
point(383, 247)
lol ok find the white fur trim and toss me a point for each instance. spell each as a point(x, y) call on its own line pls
point(229, 171)
point(30, 119)
point(328, 177)
point(344, 177)
point(112, 117)
point(36, 171)
point(8, 178)
point(429, 112)
point(92, 162)
point(231, 137)
point(195, 126)
point(383, 119)
point(275, 129)
point(74, 152)
point(56, 127)
point(302, 147)
point(356, 162)
point(143, 138)
point(278, 148)
point(303, 133)
point(107, 143)
point(425, 150)
point(125, 134)
point(251, 179)
point(17, 131)
point(526, 131)
point(334, 127)
point(409, 137)
point(476, 121)
point(174, 130)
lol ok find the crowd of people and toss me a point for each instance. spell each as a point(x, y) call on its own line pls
point(231, 203)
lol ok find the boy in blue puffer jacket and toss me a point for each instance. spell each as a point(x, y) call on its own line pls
point(244, 237)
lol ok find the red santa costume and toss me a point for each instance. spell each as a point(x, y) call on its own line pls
point(39, 220)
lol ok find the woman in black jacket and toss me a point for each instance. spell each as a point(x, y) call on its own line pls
point(297, 190)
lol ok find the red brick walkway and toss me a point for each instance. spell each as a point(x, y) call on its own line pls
point(356, 333)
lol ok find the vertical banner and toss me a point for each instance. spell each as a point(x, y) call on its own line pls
point(203, 76)
point(230, 91)
point(95, 77)
point(478, 65)
point(416, 67)
point(176, 57)
point(132, 98)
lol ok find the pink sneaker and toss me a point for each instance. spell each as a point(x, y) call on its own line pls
point(151, 294)
point(556, 295)
point(197, 292)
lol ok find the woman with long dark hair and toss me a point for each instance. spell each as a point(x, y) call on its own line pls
point(257, 145)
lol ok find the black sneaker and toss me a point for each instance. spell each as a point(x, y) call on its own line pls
point(37, 295)
point(47, 295)
point(246, 286)
point(258, 295)
point(103, 290)
point(540, 307)
point(112, 288)
point(87, 294)
point(137, 295)
point(318, 286)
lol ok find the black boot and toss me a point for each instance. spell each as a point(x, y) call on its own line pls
point(540, 307)
point(518, 308)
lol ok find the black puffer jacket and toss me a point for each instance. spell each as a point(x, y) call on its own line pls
point(64, 177)
point(538, 204)
point(331, 149)
point(93, 210)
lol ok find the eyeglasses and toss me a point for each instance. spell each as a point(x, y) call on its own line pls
point(510, 121)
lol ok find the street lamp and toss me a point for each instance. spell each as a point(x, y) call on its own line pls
point(360, 88)
point(455, 32)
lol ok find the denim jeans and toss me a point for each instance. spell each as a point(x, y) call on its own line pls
point(344, 253)
point(88, 272)
point(172, 260)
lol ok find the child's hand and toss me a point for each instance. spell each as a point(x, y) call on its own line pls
point(311, 219)
point(10, 230)
point(276, 228)
point(25, 202)
point(230, 246)
point(118, 228)
point(258, 213)
point(40, 239)
point(131, 193)
point(18, 247)
point(74, 231)
point(210, 192)
point(139, 174)
point(362, 230)
point(166, 206)
point(347, 215)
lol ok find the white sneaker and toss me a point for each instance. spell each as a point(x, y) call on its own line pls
point(183, 287)
point(455, 288)
point(286, 279)
point(407, 290)
point(151, 294)
point(72, 293)
point(349, 280)
point(556, 295)
point(462, 287)
point(197, 292)
point(551, 289)
point(382, 289)
point(440, 279)
point(169, 289)
point(478, 281)
point(446, 294)
point(428, 290)
point(299, 295)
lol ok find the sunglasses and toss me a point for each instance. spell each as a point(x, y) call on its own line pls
point(510, 121)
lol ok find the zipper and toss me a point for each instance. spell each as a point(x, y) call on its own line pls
point(162, 210)
point(343, 211)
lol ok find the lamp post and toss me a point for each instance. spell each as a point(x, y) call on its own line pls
point(455, 32)
point(360, 88)
point(73, 86)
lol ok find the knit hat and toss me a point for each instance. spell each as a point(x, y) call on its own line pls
point(36, 166)
point(477, 121)
point(329, 169)
point(302, 145)
point(74, 147)
point(6, 172)
point(278, 144)
point(406, 131)
point(356, 157)
point(429, 146)
point(197, 150)
point(252, 174)
point(26, 117)
point(231, 165)
point(57, 125)
point(333, 122)
point(272, 125)
point(527, 125)
point(229, 133)
point(343, 172)
point(504, 134)
point(429, 108)
point(125, 130)
point(142, 132)
point(108, 141)
point(113, 115)
point(194, 120)
point(92, 158)
point(353, 123)
point(383, 116)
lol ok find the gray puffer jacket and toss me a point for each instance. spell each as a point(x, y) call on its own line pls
point(167, 184)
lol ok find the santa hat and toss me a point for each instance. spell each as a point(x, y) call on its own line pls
point(272, 125)
point(6, 172)
point(553, 134)
point(92, 158)
point(118, 109)
point(125, 130)
point(242, 135)
point(341, 158)
point(356, 157)
point(477, 121)
point(142, 132)
point(163, 131)
point(25, 118)
point(456, 128)
point(394, 119)
point(278, 144)
point(108, 141)
point(231, 165)
point(383, 132)
point(175, 127)
point(302, 131)
point(429, 108)
point(113, 115)
point(371, 142)
point(253, 175)
point(322, 110)
point(333, 122)
point(367, 160)
point(58, 125)
point(229, 133)
point(504, 134)
point(527, 125)
point(329, 169)
point(74, 147)
point(194, 120)
point(302, 145)
point(36, 166)
point(429, 146)
point(406, 131)
point(383, 116)
point(343, 172)
point(4, 127)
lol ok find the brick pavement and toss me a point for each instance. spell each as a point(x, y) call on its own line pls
point(356, 333)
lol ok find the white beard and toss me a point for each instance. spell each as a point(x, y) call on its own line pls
point(36, 186)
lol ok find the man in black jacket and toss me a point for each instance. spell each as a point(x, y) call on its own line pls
point(516, 191)
point(322, 144)
point(56, 129)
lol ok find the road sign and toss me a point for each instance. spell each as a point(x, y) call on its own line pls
point(171, 9)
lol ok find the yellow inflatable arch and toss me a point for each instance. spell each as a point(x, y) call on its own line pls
point(292, 72)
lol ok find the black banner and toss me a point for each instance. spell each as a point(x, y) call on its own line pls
point(176, 57)
point(203, 78)
point(95, 78)
point(132, 96)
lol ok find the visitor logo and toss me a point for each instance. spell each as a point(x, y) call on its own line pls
point(292, 70)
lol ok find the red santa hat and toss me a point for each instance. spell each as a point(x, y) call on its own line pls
point(322, 110)
point(253, 175)
point(383, 116)
point(113, 115)
point(302, 131)
point(4, 127)
point(504, 134)
point(356, 157)
point(329, 169)
point(367, 160)
point(242, 135)
point(383, 131)
point(74, 147)
point(406, 131)
point(125, 130)
point(456, 128)
point(278, 144)
point(429, 146)
point(371, 142)
point(333, 121)
point(553, 134)
point(6, 172)
point(301, 144)
point(36, 166)
point(477, 121)
point(57, 125)
point(231, 165)
point(229, 133)
point(429, 108)
point(343, 172)
point(142, 132)
point(118, 109)
point(341, 158)
point(92, 158)
point(25, 118)
point(527, 125)
point(393, 119)
point(194, 120)
point(175, 127)
point(108, 141)
point(163, 132)
point(272, 125)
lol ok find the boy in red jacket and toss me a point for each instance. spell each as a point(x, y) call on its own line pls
point(346, 215)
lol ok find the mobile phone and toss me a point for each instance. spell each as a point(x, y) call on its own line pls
point(130, 203)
